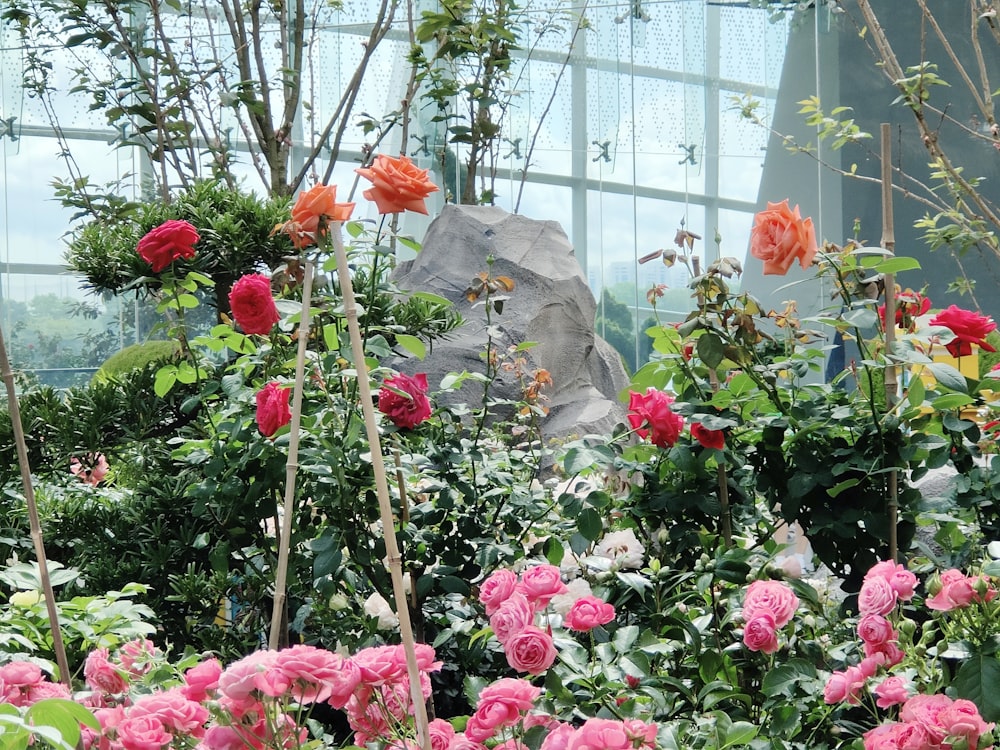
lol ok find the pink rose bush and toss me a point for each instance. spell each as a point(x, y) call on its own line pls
point(930, 722)
point(767, 607)
point(517, 605)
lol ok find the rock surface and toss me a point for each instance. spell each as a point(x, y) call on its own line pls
point(551, 304)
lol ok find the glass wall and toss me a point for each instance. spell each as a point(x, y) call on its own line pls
point(632, 133)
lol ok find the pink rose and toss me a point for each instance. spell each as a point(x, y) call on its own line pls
point(172, 240)
point(558, 737)
point(176, 713)
point(513, 616)
point(501, 704)
point(650, 415)
point(441, 734)
point(380, 664)
point(924, 711)
point(876, 597)
point(888, 653)
point(238, 682)
point(224, 738)
point(91, 470)
point(870, 664)
point(253, 305)
point(461, 742)
point(902, 581)
point(43, 690)
point(201, 680)
point(891, 692)
point(844, 686)
point(273, 411)
point(306, 673)
point(136, 656)
point(640, 732)
point(540, 583)
point(531, 650)
point(587, 613)
point(874, 628)
point(143, 733)
point(403, 399)
point(600, 734)
point(496, 589)
point(100, 674)
point(958, 591)
point(883, 737)
point(770, 597)
point(759, 634)
point(962, 719)
point(21, 673)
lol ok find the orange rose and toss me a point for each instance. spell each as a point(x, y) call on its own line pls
point(779, 236)
point(319, 201)
point(397, 185)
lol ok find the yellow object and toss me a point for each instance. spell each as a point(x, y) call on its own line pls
point(967, 365)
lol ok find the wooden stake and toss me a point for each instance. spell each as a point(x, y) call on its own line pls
point(381, 488)
point(36, 526)
point(891, 383)
point(279, 631)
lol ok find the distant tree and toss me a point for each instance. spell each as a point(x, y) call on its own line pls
point(615, 325)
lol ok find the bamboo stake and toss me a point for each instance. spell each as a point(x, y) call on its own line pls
point(36, 526)
point(278, 634)
point(891, 385)
point(382, 488)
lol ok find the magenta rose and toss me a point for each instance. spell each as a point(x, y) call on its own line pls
point(770, 597)
point(587, 613)
point(514, 615)
point(273, 411)
point(759, 633)
point(650, 415)
point(969, 328)
point(531, 650)
point(403, 399)
point(253, 305)
point(540, 583)
point(172, 240)
point(496, 589)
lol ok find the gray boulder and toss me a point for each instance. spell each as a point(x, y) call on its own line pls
point(551, 304)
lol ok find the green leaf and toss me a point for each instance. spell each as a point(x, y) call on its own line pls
point(412, 344)
point(590, 524)
point(893, 265)
point(65, 716)
point(740, 733)
point(554, 550)
point(579, 459)
point(951, 401)
point(783, 678)
point(710, 349)
point(948, 377)
point(916, 392)
point(408, 242)
point(166, 376)
point(841, 486)
point(977, 680)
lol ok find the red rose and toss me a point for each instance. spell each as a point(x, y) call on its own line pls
point(252, 304)
point(397, 185)
point(969, 328)
point(172, 240)
point(779, 236)
point(708, 438)
point(409, 410)
point(272, 408)
point(318, 202)
point(909, 306)
point(650, 414)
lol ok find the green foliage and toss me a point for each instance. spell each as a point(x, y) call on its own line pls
point(135, 357)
